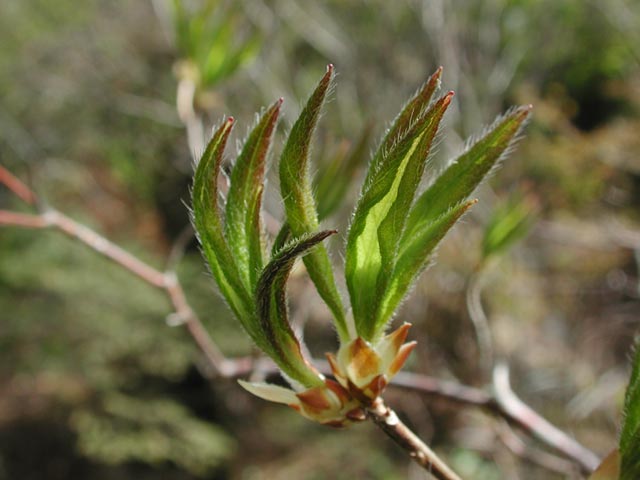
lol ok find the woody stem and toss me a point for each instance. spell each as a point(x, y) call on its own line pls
point(385, 418)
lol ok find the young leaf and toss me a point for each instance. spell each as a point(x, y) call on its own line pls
point(391, 228)
point(283, 346)
point(630, 435)
point(382, 210)
point(508, 224)
point(411, 113)
point(462, 177)
point(208, 224)
point(412, 259)
point(243, 225)
point(299, 203)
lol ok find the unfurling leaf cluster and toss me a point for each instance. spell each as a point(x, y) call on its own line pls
point(208, 41)
point(393, 234)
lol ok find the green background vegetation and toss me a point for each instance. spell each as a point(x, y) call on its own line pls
point(95, 384)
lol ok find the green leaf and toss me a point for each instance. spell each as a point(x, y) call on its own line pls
point(411, 112)
point(462, 177)
point(208, 224)
point(508, 224)
point(283, 346)
point(630, 434)
point(413, 258)
point(299, 203)
point(243, 225)
point(381, 213)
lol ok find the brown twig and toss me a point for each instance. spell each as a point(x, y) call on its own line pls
point(515, 410)
point(19, 189)
point(504, 402)
point(166, 281)
point(508, 407)
point(385, 418)
point(532, 454)
point(25, 220)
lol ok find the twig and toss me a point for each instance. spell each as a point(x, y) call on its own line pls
point(166, 281)
point(532, 454)
point(514, 409)
point(526, 420)
point(504, 401)
point(19, 189)
point(480, 323)
point(25, 220)
point(389, 423)
point(185, 95)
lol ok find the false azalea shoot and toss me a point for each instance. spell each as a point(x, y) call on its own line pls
point(395, 228)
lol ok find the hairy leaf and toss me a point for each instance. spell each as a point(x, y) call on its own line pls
point(243, 226)
point(462, 177)
point(208, 224)
point(412, 259)
point(410, 113)
point(630, 434)
point(283, 346)
point(382, 210)
point(299, 203)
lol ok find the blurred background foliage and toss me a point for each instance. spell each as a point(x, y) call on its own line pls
point(95, 384)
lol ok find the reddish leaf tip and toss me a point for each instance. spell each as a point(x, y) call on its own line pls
point(448, 97)
point(330, 67)
point(280, 101)
point(230, 120)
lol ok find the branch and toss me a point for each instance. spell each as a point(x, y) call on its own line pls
point(480, 323)
point(532, 454)
point(25, 220)
point(515, 410)
point(504, 402)
point(389, 423)
point(18, 188)
point(166, 281)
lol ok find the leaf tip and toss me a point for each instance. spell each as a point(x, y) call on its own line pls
point(328, 76)
point(435, 77)
point(523, 112)
point(326, 234)
point(448, 97)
